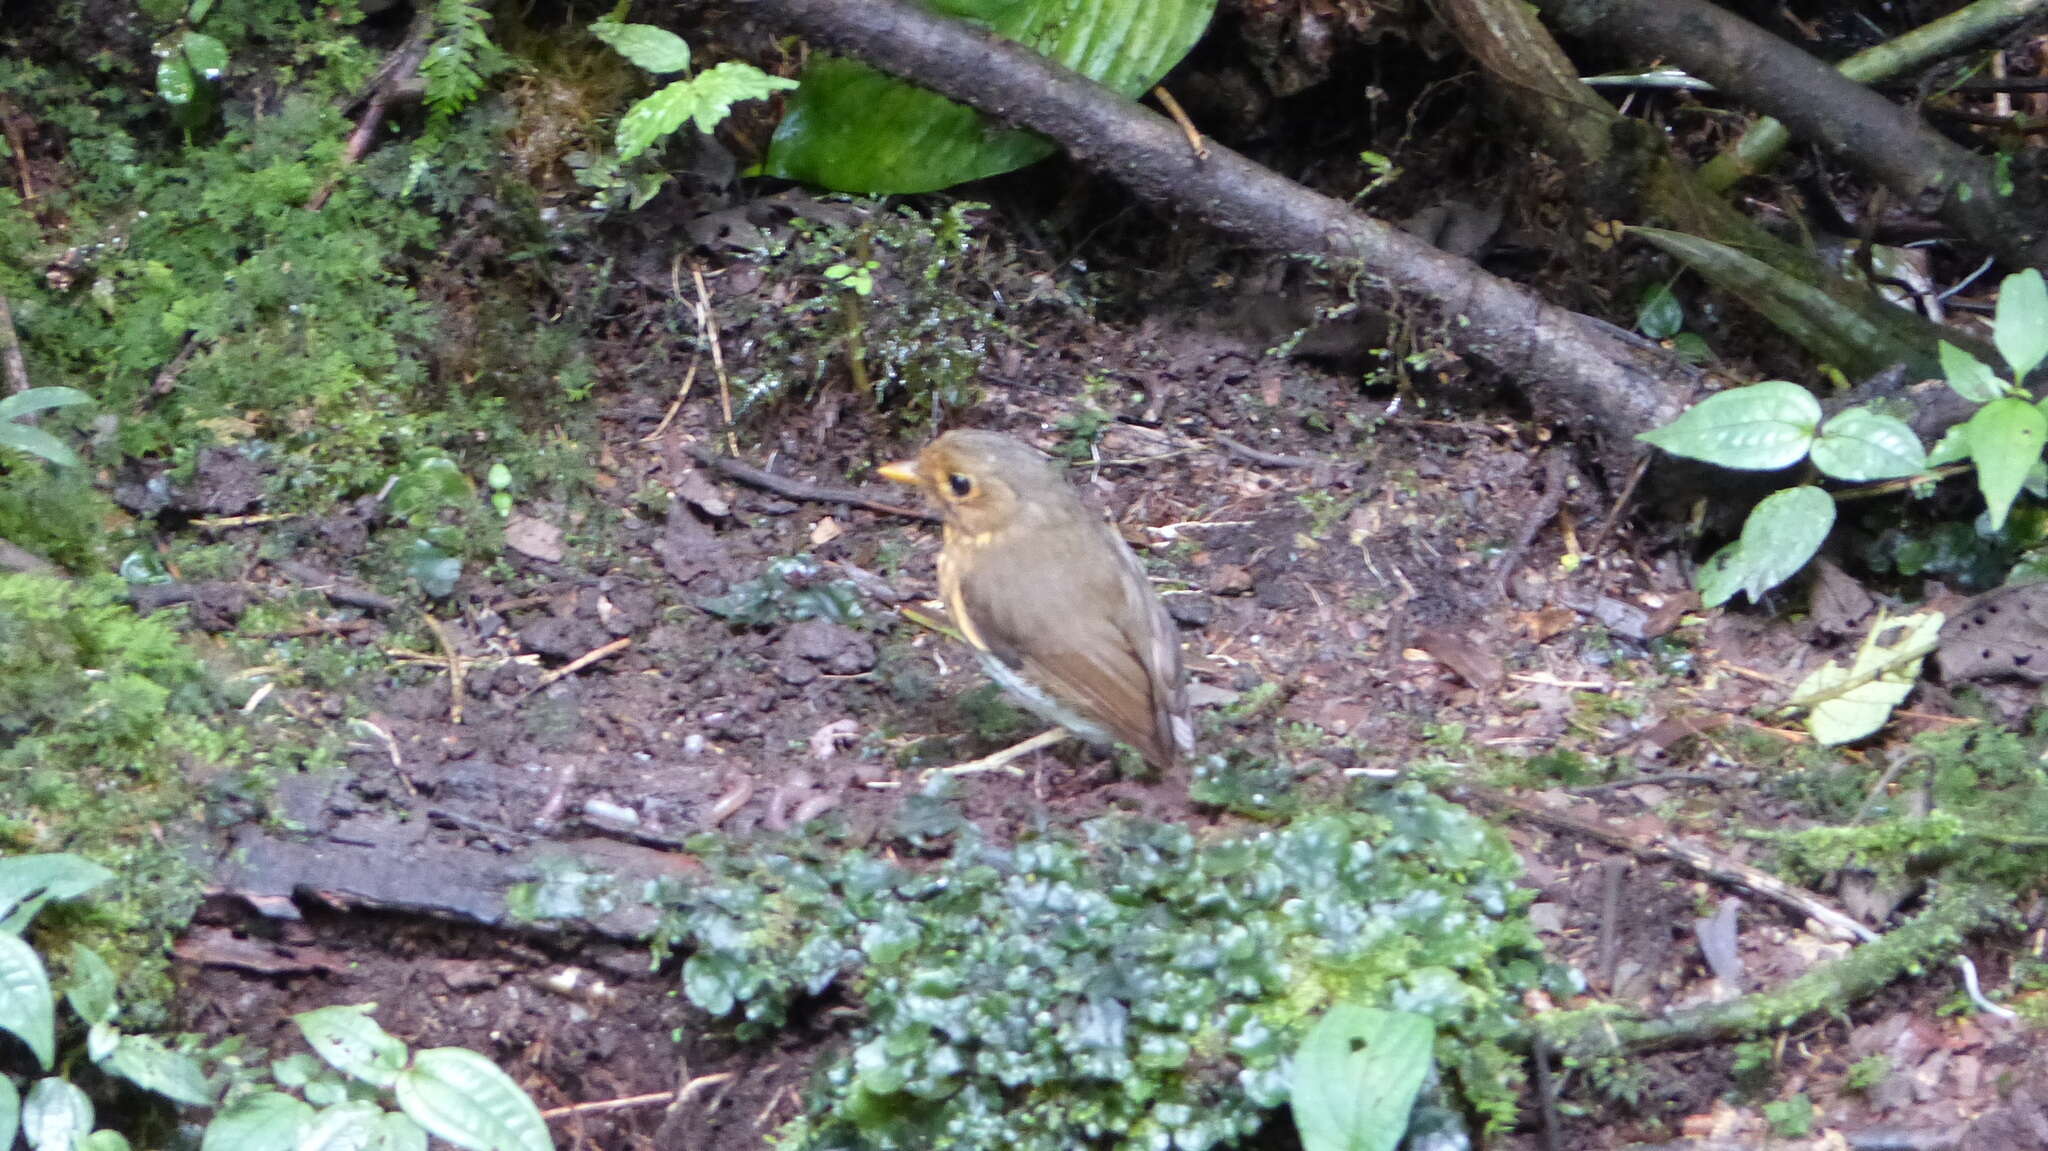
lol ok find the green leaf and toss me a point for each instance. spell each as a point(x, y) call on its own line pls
point(208, 56)
point(263, 1121)
point(1954, 445)
point(2005, 441)
point(352, 1042)
point(56, 1116)
point(1659, 315)
point(26, 1006)
point(1850, 703)
point(2021, 327)
point(656, 50)
point(175, 81)
point(37, 442)
point(1780, 535)
point(705, 100)
point(396, 1132)
point(27, 882)
point(1970, 377)
point(1860, 445)
point(144, 1061)
point(40, 399)
point(90, 990)
point(106, 1141)
point(1356, 1075)
point(195, 16)
point(351, 1125)
point(464, 1098)
point(852, 129)
point(1762, 427)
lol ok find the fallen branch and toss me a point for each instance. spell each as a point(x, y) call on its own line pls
point(396, 79)
point(1952, 914)
point(1888, 142)
point(1578, 372)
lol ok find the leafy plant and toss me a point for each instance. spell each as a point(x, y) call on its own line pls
point(35, 441)
point(853, 129)
point(1775, 424)
point(704, 100)
point(791, 588)
point(452, 1093)
point(1129, 986)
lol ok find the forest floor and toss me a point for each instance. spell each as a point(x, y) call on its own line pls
point(1365, 586)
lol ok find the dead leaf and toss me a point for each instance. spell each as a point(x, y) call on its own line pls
point(1473, 663)
point(1551, 621)
point(825, 531)
point(535, 538)
point(1839, 605)
point(693, 485)
point(2004, 632)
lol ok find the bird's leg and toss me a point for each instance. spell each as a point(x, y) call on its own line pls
point(1003, 760)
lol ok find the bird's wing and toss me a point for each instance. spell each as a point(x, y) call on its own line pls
point(1109, 661)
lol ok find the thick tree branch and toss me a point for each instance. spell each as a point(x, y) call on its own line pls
point(1888, 142)
point(1579, 373)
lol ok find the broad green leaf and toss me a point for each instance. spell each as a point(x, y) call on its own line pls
point(90, 990)
point(352, 1042)
point(195, 16)
point(1850, 703)
point(208, 56)
point(40, 399)
point(396, 1132)
point(704, 100)
point(10, 1111)
point(1762, 427)
point(37, 442)
point(106, 1141)
point(1660, 315)
point(27, 882)
point(56, 1116)
point(351, 1125)
point(144, 1061)
point(464, 1098)
point(1780, 535)
point(26, 1006)
point(1859, 445)
point(2005, 442)
point(1954, 445)
point(1355, 1078)
point(852, 129)
point(263, 1121)
point(656, 50)
point(175, 81)
point(2021, 327)
point(1971, 377)
point(713, 981)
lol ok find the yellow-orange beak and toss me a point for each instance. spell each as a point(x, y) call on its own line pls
point(902, 472)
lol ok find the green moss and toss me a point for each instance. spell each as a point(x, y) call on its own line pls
point(1132, 986)
point(103, 714)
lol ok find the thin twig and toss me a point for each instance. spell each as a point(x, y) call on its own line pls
point(802, 489)
point(1546, 510)
point(602, 1105)
point(1269, 459)
point(455, 668)
point(707, 332)
point(1004, 760)
point(1701, 778)
point(1670, 847)
point(578, 664)
point(395, 79)
point(1180, 117)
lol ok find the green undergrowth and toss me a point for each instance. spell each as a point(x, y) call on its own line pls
point(1130, 983)
point(106, 717)
point(1968, 805)
point(904, 307)
point(180, 278)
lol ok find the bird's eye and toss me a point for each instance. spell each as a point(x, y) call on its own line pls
point(961, 485)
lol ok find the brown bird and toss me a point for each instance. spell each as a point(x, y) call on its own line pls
point(1050, 597)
